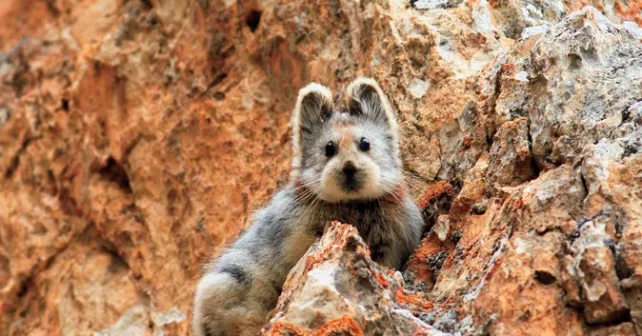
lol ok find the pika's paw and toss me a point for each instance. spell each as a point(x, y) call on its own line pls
point(224, 306)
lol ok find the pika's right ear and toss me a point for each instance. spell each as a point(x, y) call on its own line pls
point(313, 108)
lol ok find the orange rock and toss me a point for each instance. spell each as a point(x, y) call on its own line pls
point(137, 137)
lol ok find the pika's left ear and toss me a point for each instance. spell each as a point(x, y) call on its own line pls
point(365, 98)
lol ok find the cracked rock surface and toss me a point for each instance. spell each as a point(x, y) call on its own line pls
point(137, 137)
point(336, 289)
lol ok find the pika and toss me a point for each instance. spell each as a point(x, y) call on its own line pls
point(346, 167)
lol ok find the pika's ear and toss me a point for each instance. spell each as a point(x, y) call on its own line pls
point(313, 108)
point(365, 98)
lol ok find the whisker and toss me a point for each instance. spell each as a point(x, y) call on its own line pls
point(304, 197)
point(413, 180)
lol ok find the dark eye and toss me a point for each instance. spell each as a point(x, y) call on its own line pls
point(329, 149)
point(364, 145)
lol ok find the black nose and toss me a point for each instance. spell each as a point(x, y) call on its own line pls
point(349, 168)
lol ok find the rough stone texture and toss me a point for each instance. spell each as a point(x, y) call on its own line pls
point(337, 289)
point(137, 136)
point(551, 241)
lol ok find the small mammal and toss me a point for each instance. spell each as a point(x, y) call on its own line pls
point(346, 167)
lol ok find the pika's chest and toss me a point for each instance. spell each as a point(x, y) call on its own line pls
point(366, 217)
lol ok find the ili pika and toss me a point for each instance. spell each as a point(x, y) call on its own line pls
point(346, 167)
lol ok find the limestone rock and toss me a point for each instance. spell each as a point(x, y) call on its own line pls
point(337, 289)
point(557, 231)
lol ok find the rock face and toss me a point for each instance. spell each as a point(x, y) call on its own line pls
point(136, 138)
point(550, 231)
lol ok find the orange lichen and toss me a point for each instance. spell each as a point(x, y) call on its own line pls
point(579, 4)
point(435, 190)
point(426, 248)
point(494, 3)
point(494, 267)
point(345, 324)
point(450, 299)
point(312, 260)
point(632, 10)
point(417, 263)
point(509, 68)
point(281, 328)
point(382, 280)
point(421, 331)
point(467, 141)
point(413, 299)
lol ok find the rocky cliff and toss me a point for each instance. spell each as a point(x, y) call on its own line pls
point(137, 136)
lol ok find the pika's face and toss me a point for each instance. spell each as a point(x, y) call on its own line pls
point(345, 156)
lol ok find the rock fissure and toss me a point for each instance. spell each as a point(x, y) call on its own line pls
point(15, 161)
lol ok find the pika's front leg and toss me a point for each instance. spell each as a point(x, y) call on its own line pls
point(231, 301)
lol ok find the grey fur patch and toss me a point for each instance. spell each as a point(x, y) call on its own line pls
point(206, 330)
point(365, 103)
point(237, 273)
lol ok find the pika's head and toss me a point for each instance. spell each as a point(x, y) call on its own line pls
point(348, 152)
